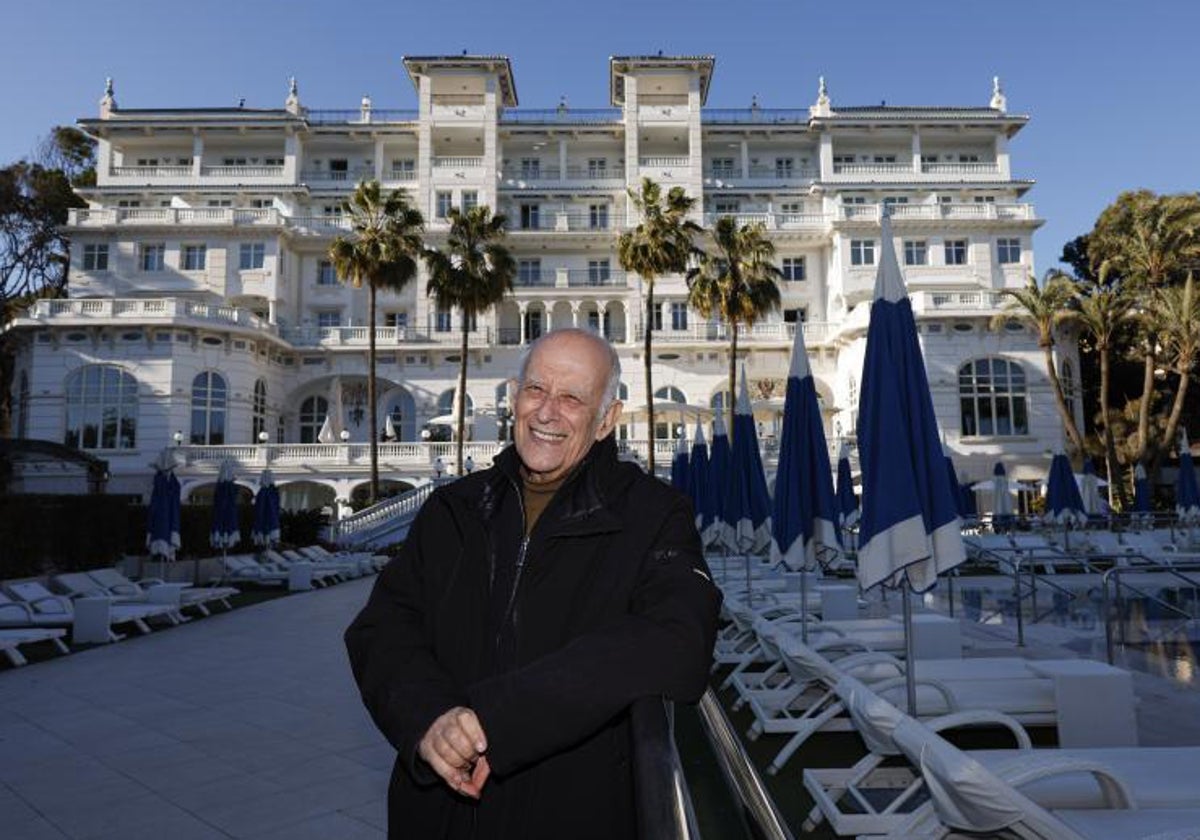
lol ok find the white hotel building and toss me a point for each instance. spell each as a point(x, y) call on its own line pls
point(203, 307)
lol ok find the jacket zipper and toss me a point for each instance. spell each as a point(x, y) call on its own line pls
point(510, 608)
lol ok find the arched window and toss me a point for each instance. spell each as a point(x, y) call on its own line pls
point(445, 403)
point(671, 428)
point(208, 409)
point(258, 422)
point(402, 408)
point(1066, 378)
point(23, 406)
point(102, 408)
point(312, 415)
point(992, 397)
point(623, 396)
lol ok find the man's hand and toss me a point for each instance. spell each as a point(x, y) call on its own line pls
point(454, 747)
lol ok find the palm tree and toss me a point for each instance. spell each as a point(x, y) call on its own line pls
point(660, 244)
point(1153, 241)
point(737, 283)
point(473, 273)
point(1044, 308)
point(380, 253)
point(1175, 311)
point(1101, 308)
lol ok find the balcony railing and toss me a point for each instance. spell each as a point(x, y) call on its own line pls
point(86, 217)
point(873, 169)
point(764, 116)
point(985, 301)
point(586, 277)
point(355, 115)
point(773, 221)
point(943, 210)
point(563, 221)
point(349, 176)
point(563, 116)
point(151, 171)
point(664, 160)
point(242, 171)
point(533, 279)
point(444, 162)
point(400, 175)
point(143, 308)
point(384, 336)
point(319, 225)
point(814, 332)
point(960, 168)
point(554, 173)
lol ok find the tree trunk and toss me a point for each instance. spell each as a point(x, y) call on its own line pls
point(1116, 488)
point(374, 409)
point(648, 358)
point(1172, 421)
point(733, 337)
point(460, 421)
point(1143, 426)
point(1060, 402)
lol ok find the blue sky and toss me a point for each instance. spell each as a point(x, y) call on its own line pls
point(1111, 85)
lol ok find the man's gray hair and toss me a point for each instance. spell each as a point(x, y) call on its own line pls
point(611, 388)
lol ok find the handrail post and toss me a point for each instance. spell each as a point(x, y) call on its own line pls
point(950, 591)
point(1017, 595)
point(1106, 615)
point(1033, 611)
point(1120, 609)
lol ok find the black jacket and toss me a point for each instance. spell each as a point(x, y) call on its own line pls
point(613, 602)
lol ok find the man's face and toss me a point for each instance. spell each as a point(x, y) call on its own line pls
point(557, 412)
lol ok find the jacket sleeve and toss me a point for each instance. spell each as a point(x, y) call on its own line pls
point(662, 646)
point(391, 654)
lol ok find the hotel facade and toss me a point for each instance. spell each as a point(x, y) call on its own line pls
point(204, 312)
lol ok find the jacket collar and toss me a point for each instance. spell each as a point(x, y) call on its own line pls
point(581, 505)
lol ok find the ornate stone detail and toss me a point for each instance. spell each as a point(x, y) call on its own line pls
point(999, 100)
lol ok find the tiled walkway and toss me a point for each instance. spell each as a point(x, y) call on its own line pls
point(242, 725)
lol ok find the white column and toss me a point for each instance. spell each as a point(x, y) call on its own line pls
point(826, 156)
point(491, 107)
point(425, 147)
point(916, 151)
point(745, 144)
point(601, 311)
point(522, 308)
point(632, 166)
point(1002, 160)
point(378, 158)
point(197, 153)
point(562, 158)
point(292, 154)
point(630, 338)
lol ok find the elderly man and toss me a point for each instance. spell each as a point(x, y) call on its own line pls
point(532, 604)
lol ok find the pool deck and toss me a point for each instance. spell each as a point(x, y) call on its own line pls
point(248, 725)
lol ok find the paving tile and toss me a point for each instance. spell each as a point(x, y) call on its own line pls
point(327, 826)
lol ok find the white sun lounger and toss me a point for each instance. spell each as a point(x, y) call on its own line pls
point(189, 596)
point(1154, 777)
point(53, 610)
point(81, 585)
point(12, 639)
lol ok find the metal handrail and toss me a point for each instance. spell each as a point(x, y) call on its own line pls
point(1109, 602)
point(664, 805)
point(743, 779)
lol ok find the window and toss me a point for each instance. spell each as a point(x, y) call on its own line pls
point(992, 398)
point(312, 416)
point(530, 216)
point(1066, 378)
point(251, 255)
point(529, 272)
point(533, 324)
point(726, 208)
point(151, 258)
point(598, 216)
point(594, 323)
point(129, 203)
point(443, 320)
point(147, 161)
point(891, 200)
point(597, 167)
point(657, 316)
point(272, 161)
point(262, 203)
point(599, 272)
point(328, 319)
point(233, 161)
point(326, 276)
point(956, 252)
point(791, 208)
point(985, 199)
point(841, 160)
point(674, 429)
point(1008, 251)
point(531, 167)
point(395, 319)
point(679, 314)
point(404, 169)
point(722, 167)
point(862, 252)
point(208, 409)
point(95, 258)
point(258, 413)
point(916, 252)
point(339, 169)
point(884, 159)
point(470, 200)
point(102, 408)
point(854, 199)
point(445, 200)
point(929, 158)
point(195, 257)
point(784, 167)
point(793, 269)
point(795, 316)
point(968, 158)
point(219, 202)
point(332, 210)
